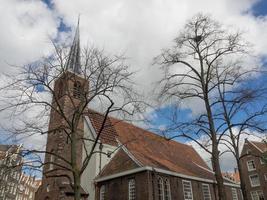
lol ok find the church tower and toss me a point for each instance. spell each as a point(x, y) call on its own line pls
point(65, 126)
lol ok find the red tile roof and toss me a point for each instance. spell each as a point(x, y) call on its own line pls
point(260, 145)
point(108, 134)
point(150, 149)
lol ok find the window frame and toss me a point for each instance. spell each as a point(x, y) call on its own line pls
point(131, 188)
point(253, 164)
point(234, 193)
point(251, 181)
point(256, 192)
point(191, 190)
point(102, 192)
point(160, 187)
point(209, 194)
point(166, 189)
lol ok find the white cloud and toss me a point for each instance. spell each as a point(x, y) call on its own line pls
point(25, 30)
point(138, 28)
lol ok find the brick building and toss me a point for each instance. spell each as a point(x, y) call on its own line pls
point(131, 163)
point(27, 187)
point(255, 169)
point(10, 170)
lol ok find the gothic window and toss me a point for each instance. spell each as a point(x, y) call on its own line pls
point(160, 188)
point(167, 190)
point(102, 192)
point(77, 90)
point(131, 189)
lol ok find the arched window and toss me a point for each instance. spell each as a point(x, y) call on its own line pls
point(131, 189)
point(167, 190)
point(60, 89)
point(164, 189)
point(51, 160)
point(102, 192)
point(160, 189)
point(77, 89)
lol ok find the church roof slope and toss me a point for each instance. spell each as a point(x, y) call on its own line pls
point(150, 149)
point(262, 146)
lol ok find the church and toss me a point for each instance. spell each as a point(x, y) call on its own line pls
point(131, 163)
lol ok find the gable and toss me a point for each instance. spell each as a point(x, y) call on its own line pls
point(119, 163)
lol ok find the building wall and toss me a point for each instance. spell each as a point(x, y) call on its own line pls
point(10, 171)
point(261, 169)
point(97, 162)
point(147, 188)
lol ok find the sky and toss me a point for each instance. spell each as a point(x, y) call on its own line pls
point(138, 29)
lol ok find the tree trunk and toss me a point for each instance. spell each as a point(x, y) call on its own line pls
point(242, 180)
point(218, 173)
point(215, 151)
point(77, 188)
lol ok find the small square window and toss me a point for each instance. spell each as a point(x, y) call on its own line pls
point(251, 165)
point(254, 180)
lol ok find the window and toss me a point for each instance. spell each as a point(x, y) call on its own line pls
point(206, 192)
point(51, 161)
point(254, 180)
point(257, 195)
point(262, 161)
point(167, 189)
point(164, 189)
point(131, 189)
point(48, 188)
point(234, 194)
point(102, 192)
point(187, 188)
point(160, 188)
point(77, 89)
point(251, 165)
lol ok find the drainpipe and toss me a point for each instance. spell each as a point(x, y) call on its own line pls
point(100, 157)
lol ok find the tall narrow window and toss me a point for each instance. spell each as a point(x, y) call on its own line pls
point(206, 191)
point(102, 192)
point(160, 188)
point(131, 189)
point(51, 161)
point(187, 187)
point(167, 189)
point(77, 89)
point(234, 194)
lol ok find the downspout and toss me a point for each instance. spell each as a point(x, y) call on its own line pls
point(100, 157)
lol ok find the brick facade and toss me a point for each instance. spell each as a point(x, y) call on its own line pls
point(253, 165)
point(68, 100)
point(146, 187)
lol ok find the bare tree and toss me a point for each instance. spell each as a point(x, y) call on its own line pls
point(204, 60)
point(56, 92)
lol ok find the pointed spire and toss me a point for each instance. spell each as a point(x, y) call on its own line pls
point(74, 62)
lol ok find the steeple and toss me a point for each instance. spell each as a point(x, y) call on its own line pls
point(74, 62)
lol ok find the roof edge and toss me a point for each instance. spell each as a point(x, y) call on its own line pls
point(131, 156)
point(251, 142)
point(148, 168)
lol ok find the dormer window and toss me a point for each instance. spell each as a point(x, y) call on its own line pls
point(77, 90)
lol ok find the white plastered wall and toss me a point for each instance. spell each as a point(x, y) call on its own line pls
point(93, 168)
